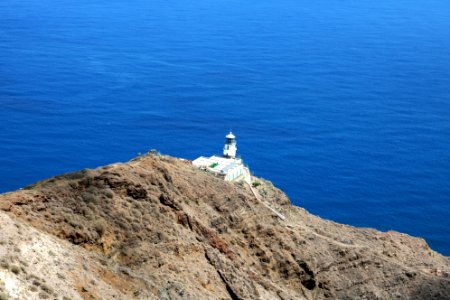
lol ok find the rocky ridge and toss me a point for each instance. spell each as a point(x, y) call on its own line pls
point(157, 228)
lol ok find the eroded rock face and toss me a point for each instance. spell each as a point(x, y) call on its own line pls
point(156, 228)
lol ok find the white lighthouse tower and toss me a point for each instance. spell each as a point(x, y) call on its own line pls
point(229, 149)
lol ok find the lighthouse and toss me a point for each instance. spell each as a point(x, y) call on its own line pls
point(229, 149)
point(227, 166)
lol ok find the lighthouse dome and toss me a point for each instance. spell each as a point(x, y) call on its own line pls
point(230, 136)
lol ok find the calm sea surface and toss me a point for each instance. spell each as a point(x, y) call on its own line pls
point(345, 105)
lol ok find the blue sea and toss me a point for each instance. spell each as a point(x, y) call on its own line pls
point(344, 105)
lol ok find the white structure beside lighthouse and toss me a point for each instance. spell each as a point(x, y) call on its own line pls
point(227, 166)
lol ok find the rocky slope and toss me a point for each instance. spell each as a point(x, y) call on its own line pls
point(156, 228)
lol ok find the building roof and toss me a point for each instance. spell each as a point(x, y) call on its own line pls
point(228, 167)
point(216, 164)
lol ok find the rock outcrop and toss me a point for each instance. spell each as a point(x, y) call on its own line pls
point(157, 228)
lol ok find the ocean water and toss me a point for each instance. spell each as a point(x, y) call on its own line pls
point(344, 105)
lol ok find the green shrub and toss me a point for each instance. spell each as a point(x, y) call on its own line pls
point(92, 205)
point(123, 224)
point(100, 227)
point(73, 184)
point(136, 226)
point(33, 288)
point(256, 183)
point(136, 213)
point(86, 211)
point(87, 181)
point(15, 269)
point(138, 205)
point(108, 193)
point(92, 190)
point(89, 198)
point(36, 282)
point(72, 175)
point(46, 288)
point(74, 223)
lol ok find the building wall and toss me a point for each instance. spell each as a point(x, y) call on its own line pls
point(234, 173)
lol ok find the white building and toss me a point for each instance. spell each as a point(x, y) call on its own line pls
point(227, 167)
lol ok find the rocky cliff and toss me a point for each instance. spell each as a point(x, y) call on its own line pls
point(156, 228)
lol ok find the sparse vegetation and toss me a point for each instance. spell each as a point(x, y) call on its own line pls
point(119, 214)
point(4, 264)
point(15, 269)
point(74, 223)
point(86, 181)
point(89, 198)
point(73, 184)
point(46, 288)
point(33, 288)
point(100, 227)
point(87, 212)
point(108, 193)
point(36, 282)
point(23, 269)
point(136, 226)
point(92, 190)
point(73, 175)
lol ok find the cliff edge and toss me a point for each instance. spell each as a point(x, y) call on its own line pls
point(157, 228)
